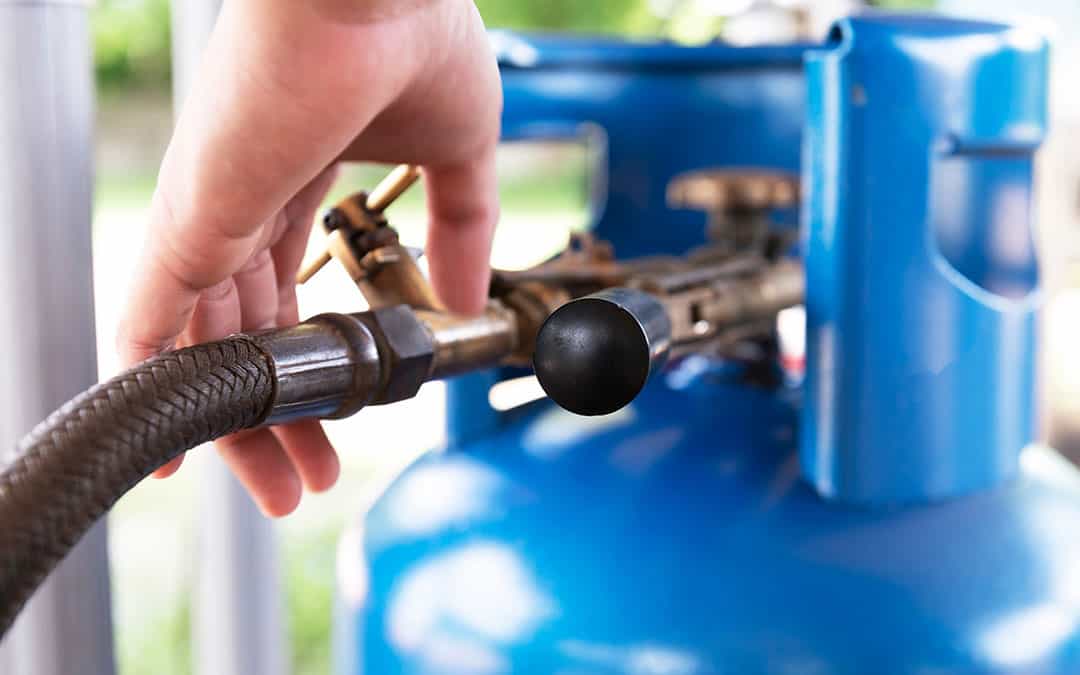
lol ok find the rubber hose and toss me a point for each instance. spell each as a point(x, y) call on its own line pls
point(73, 467)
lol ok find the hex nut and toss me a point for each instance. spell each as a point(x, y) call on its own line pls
point(406, 348)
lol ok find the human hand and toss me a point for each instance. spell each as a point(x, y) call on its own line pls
point(285, 90)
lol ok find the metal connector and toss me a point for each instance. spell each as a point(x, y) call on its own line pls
point(466, 344)
point(327, 367)
point(333, 365)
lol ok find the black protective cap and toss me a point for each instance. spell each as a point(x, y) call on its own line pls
point(594, 355)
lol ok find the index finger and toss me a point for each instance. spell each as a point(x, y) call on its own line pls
point(463, 207)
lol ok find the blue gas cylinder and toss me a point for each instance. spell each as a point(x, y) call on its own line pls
point(883, 517)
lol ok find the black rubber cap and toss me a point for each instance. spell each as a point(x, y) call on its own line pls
point(592, 357)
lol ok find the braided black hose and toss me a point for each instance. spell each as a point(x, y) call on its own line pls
point(73, 467)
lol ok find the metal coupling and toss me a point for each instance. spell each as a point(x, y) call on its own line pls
point(466, 344)
point(333, 365)
point(326, 367)
point(407, 350)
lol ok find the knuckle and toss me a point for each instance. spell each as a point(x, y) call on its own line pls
point(194, 251)
point(468, 212)
point(257, 263)
point(219, 292)
point(134, 340)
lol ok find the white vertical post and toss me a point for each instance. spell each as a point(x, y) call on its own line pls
point(47, 348)
point(238, 622)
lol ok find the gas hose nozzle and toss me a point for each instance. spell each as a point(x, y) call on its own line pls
point(332, 365)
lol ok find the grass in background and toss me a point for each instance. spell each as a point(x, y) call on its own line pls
point(113, 192)
point(309, 559)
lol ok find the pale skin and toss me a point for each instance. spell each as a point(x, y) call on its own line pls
point(285, 90)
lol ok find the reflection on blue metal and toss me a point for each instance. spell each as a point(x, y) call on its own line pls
point(679, 536)
point(920, 267)
point(676, 537)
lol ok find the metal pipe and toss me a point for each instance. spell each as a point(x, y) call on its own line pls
point(593, 355)
point(46, 291)
point(334, 364)
point(781, 286)
point(466, 344)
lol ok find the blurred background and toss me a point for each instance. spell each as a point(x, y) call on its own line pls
point(154, 531)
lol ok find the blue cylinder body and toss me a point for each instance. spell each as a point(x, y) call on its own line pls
point(702, 529)
point(677, 537)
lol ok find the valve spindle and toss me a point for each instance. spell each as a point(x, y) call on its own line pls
point(385, 193)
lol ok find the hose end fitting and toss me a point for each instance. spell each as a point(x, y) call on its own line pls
point(326, 367)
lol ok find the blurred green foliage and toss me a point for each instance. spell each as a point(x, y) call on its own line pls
point(132, 46)
point(309, 586)
point(131, 43)
point(603, 16)
point(161, 646)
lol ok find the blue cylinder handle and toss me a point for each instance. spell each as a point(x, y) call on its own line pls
point(922, 283)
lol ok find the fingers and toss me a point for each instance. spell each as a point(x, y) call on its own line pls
point(302, 450)
point(216, 314)
point(311, 453)
point(230, 165)
point(169, 469)
point(305, 442)
point(256, 287)
point(251, 301)
point(463, 208)
point(261, 465)
point(148, 327)
point(291, 243)
point(257, 456)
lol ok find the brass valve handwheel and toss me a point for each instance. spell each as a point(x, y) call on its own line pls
point(738, 202)
point(715, 190)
